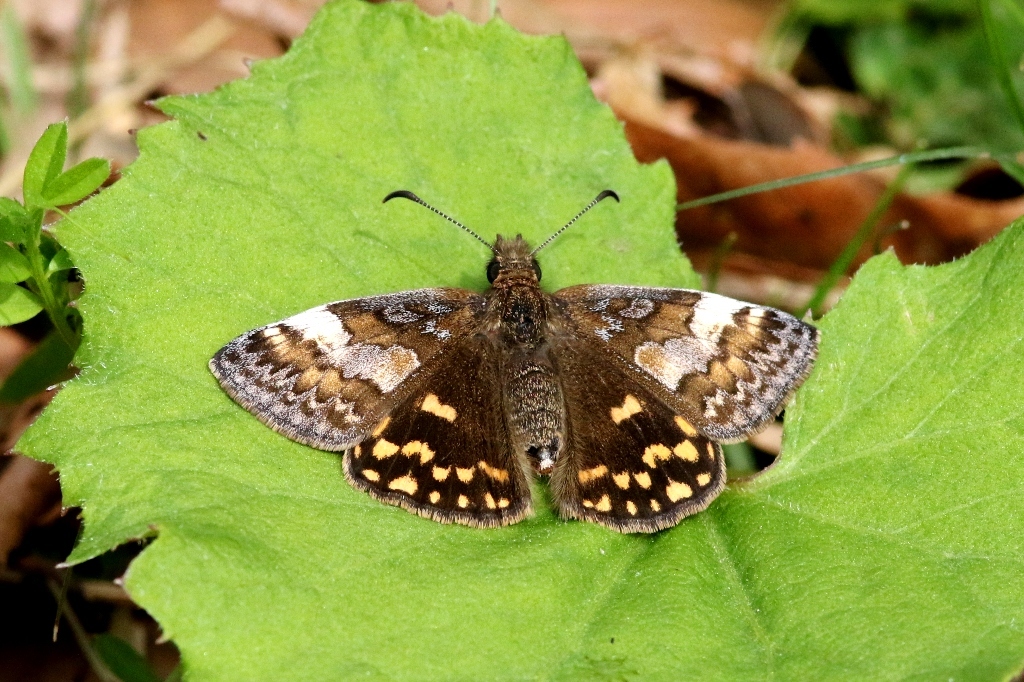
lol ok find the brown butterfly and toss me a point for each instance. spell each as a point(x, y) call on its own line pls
point(446, 402)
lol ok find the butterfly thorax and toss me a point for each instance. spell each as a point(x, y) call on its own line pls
point(517, 305)
point(517, 324)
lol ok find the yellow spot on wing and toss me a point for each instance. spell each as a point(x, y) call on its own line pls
point(329, 386)
point(685, 450)
point(502, 503)
point(380, 427)
point(588, 504)
point(463, 501)
point(703, 479)
point(686, 427)
point(371, 475)
point(588, 475)
point(677, 491)
point(415, 447)
point(358, 450)
point(643, 479)
point(711, 451)
point(434, 497)
point(465, 475)
point(307, 380)
point(631, 508)
point(271, 331)
point(490, 501)
point(604, 504)
point(654, 453)
point(630, 406)
point(737, 367)
point(494, 472)
point(384, 449)
point(655, 506)
point(622, 480)
point(407, 484)
point(441, 474)
point(435, 407)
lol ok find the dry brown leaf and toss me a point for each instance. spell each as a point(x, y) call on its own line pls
point(280, 17)
point(159, 26)
point(808, 225)
point(29, 492)
point(730, 32)
point(29, 496)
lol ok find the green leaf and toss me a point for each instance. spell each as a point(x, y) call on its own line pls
point(13, 218)
point(14, 267)
point(45, 163)
point(883, 545)
point(123, 660)
point(10, 207)
point(61, 261)
point(21, 227)
point(77, 182)
point(47, 365)
point(17, 304)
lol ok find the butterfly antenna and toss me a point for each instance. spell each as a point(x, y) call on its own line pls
point(603, 195)
point(406, 194)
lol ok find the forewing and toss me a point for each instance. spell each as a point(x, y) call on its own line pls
point(630, 463)
point(327, 376)
point(444, 452)
point(727, 366)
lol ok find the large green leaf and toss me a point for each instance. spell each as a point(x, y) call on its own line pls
point(885, 545)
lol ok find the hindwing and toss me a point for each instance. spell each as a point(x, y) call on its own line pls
point(326, 377)
point(444, 452)
point(726, 366)
point(631, 462)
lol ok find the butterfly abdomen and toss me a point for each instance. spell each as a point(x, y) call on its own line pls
point(534, 408)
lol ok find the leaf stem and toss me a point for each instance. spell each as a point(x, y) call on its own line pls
point(1000, 62)
point(53, 308)
point(910, 157)
point(852, 248)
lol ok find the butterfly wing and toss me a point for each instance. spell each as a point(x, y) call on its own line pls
point(327, 376)
point(630, 463)
point(444, 452)
point(726, 366)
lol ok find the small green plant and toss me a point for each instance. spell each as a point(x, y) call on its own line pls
point(34, 268)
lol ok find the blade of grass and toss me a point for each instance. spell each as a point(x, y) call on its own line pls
point(78, 97)
point(997, 52)
point(852, 248)
point(5, 140)
point(908, 158)
point(783, 44)
point(721, 251)
point(99, 668)
point(22, 92)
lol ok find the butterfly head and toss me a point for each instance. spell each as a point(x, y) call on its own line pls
point(513, 261)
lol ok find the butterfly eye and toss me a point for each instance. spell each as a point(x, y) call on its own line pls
point(536, 269)
point(493, 268)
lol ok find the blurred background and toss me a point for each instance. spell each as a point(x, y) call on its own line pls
point(732, 92)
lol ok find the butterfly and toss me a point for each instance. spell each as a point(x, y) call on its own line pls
point(448, 402)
